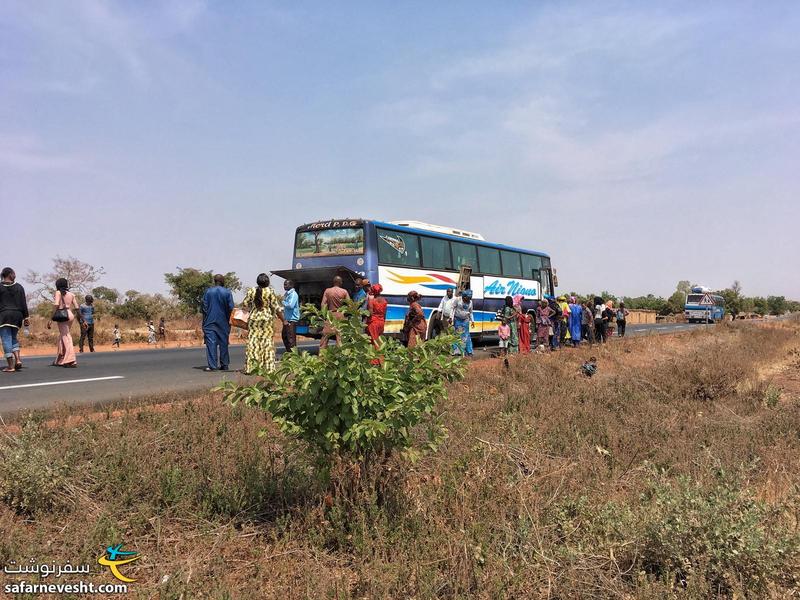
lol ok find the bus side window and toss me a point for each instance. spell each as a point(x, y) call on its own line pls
point(398, 248)
point(464, 254)
point(512, 265)
point(489, 261)
point(532, 267)
point(436, 254)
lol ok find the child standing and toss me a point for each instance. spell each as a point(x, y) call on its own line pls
point(117, 336)
point(151, 333)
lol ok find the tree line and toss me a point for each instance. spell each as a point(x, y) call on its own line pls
point(736, 303)
point(187, 286)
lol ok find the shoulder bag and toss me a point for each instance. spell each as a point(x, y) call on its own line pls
point(61, 313)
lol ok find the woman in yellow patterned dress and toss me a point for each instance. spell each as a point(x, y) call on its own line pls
point(264, 306)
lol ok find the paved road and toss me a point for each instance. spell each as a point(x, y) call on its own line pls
point(113, 376)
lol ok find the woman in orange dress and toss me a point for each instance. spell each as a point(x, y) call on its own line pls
point(376, 304)
point(64, 299)
point(415, 325)
point(523, 325)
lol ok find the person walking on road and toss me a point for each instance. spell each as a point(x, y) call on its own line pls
point(64, 303)
point(622, 319)
point(87, 330)
point(333, 298)
point(291, 315)
point(264, 306)
point(415, 326)
point(217, 307)
point(463, 317)
point(13, 316)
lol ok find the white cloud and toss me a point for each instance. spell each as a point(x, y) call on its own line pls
point(27, 153)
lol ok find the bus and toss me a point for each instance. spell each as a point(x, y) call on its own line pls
point(409, 255)
point(703, 306)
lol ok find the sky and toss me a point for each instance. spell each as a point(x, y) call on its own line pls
point(638, 144)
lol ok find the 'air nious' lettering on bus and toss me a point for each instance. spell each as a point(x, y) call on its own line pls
point(510, 288)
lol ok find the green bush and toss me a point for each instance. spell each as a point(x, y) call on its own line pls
point(716, 537)
point(721, 532)
point(32, 480)
point(355, 401)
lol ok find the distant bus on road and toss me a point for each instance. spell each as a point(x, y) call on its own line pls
point(702, 305)
point(409, 255)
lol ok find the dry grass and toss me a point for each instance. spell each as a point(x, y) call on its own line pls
point(550, 485)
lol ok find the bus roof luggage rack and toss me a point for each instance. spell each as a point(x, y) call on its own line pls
point(439, 229)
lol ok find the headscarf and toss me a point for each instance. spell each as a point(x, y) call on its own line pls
point(518, 300)
point(573, 299)
point(562, 298)
point(376, 289)
point(467, 294)
point(413, 296)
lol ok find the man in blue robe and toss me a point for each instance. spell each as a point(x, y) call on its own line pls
point(217, 308)
point(575, 318)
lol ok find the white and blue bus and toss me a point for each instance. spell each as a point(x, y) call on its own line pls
point(703, 306)
point(409, 255)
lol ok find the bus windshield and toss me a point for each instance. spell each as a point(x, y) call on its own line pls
point(344, 241)
point(694, 298)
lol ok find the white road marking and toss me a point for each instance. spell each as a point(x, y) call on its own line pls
point(30, 385)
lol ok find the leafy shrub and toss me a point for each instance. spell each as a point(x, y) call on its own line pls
point(355, 401)
point(715, 537)
point(32, 480)
point(721, 531)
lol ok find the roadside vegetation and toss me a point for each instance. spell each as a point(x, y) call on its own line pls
point(673, 472)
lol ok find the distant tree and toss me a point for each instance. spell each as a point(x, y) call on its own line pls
point(139, 306)
point(760, 306)
point(188, 286)
point(108, 294)
point(733, 298)
point(676, 303)
point(80, 275)
point(777, 305)
point(684, 287)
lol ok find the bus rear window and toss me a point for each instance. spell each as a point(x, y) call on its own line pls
point(694, 298)
point(329, 242)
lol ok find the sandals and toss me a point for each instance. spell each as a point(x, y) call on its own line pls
point(7, 370)
point(18, 366)
point(71, 365)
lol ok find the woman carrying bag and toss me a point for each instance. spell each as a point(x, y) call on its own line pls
point(63, 304)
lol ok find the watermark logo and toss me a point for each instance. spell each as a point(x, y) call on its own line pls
point(114, 558)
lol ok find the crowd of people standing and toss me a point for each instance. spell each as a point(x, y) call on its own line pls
point(547, 324)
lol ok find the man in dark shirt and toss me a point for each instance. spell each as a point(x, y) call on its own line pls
point(87, 328)
point(217, 308)
point(13, 315)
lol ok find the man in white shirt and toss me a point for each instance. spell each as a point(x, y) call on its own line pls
point(446, 308)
